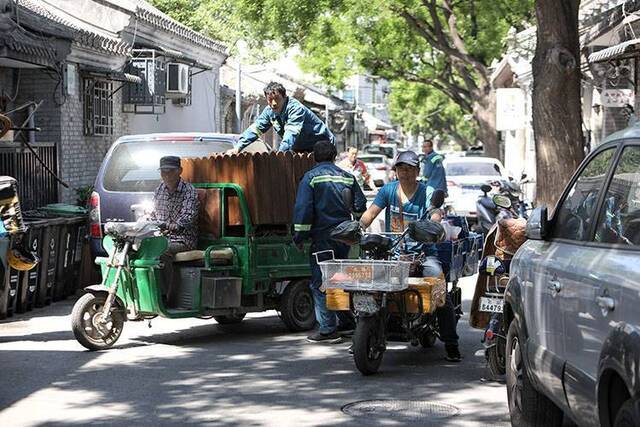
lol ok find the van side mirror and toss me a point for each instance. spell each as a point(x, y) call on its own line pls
point(537, 224)
point(497, 168)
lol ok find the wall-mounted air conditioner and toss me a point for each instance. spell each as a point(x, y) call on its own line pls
point(177, 80)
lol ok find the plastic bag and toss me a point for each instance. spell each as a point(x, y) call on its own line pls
point(453, 232)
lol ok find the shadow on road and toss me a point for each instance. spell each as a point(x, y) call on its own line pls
point(253, 373)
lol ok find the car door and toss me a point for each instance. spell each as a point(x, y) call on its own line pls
point(557, 258)
point(601, 272)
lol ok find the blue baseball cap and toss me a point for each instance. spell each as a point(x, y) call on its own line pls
point(408, 158)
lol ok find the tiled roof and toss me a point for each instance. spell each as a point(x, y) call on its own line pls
point(83, 34)
point(21, 41)
point(146, 13)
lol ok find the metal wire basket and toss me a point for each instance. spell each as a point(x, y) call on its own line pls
point(364, 275)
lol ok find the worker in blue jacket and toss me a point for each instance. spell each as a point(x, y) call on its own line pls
point(297, 125)
point(433, 172)
point(320, 206)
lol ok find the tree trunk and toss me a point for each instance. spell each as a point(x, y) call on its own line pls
point(484, 113)
point(557, 111)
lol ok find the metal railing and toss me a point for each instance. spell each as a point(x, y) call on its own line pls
point(36, 187)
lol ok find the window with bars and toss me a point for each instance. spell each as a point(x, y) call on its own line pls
point(98, 107)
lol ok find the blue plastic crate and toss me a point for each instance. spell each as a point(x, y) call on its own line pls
point(451, 256)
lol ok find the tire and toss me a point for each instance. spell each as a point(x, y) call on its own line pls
point(366, 345)
point(629, 414)
point(296, 306)
point(496, 357)
point(83, 323)
point(428, 339)
point(230, 319)
point(527, 407)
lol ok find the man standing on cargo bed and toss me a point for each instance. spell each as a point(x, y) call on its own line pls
point(327, 195)
point(297, 125)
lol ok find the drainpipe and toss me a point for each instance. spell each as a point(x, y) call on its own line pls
point(32, 124)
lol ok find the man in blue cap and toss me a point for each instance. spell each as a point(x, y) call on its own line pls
point(297, 125)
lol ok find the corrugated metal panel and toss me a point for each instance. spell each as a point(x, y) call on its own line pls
point(269, 180)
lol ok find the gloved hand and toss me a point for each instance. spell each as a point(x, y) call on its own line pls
point(298, 241)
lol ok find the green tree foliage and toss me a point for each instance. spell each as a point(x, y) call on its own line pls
point(421, 109)
point(446, 45)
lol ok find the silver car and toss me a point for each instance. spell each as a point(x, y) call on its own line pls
point(572, 307)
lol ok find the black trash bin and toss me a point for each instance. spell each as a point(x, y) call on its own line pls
point(72, 231)
point(4, 269)
point(79, 229)
point(49, 261)
point(29, 280)
point(9, 291)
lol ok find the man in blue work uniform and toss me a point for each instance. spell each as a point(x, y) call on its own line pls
point(297, 125)
point(320, 206)
point(407, 200)
point(433, 172)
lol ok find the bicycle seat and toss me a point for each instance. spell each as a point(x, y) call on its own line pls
point(131, 230)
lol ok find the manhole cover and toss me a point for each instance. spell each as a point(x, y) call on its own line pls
point(404, 409)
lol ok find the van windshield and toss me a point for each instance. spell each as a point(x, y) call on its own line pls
point(133, 166)
point(471, 168)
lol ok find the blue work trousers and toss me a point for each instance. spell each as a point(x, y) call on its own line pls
point(327, 319)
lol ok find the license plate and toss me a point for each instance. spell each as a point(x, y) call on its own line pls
point(491, 305)
point(359, 272)
point(364, 303)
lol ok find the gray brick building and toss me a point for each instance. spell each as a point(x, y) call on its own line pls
point(89, 71)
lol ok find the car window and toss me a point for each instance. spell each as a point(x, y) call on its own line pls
point(133, 166)
point(471, 168)
point(372, 159)
point(619, 219)
point(577, 211)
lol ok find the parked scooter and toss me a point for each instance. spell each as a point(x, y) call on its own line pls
point(489, 213)
point(494, 272)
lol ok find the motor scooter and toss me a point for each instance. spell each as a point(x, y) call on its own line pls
point(492, 281)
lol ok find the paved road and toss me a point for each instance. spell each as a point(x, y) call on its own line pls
point(253, 374)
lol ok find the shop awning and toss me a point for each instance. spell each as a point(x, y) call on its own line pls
point(625, 49)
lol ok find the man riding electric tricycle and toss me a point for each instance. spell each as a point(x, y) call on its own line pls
point(232, 268)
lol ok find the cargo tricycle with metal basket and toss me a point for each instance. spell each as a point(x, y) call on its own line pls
point(388, 304)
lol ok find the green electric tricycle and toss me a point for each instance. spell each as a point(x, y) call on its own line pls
point(239, 268)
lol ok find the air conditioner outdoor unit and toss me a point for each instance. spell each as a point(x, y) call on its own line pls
point(177, 80)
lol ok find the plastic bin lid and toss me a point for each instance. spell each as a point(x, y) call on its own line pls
point(64, 209)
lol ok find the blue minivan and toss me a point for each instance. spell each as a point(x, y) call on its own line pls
point(129, 173)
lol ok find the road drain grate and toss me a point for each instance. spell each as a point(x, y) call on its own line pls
point(402, 409)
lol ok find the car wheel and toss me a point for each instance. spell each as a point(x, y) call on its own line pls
point(629, 414)
point(527, 406)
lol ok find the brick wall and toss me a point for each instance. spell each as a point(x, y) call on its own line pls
point(37, 85)
point(61, 119)
point(80, 155)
